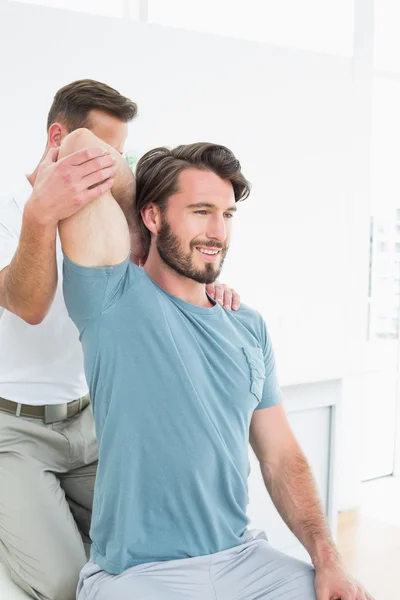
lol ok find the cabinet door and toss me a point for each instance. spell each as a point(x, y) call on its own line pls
point(312, 430)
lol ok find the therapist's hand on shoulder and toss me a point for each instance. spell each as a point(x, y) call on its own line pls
point(224, 295)
point(64, 186)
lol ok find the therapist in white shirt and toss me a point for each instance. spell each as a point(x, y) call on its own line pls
point(48, 453)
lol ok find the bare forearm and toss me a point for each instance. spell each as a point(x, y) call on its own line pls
point(292, 488)
point(30, 281)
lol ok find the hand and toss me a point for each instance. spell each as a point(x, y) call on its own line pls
point(333, 583)
point(63, 187)
point(223, 295)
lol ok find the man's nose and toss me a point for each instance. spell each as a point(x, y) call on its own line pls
point(217, 229)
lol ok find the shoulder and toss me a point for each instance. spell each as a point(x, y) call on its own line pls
point(253, 321)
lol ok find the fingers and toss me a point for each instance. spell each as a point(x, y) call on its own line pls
point(95, 164)
point(216, 291)
point(235, 300)
point(51, 156)
point(323, 594)
point(90, 194)
point(351, 594)
point(210, 289)
point(98, 177)
point(88, 174)
point(224, 295)
point(227, 298)
point(82, 156)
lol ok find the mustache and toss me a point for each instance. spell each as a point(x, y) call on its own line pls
point(209, 244)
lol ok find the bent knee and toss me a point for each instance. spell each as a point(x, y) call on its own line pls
point(48, 584)
point(59, 586)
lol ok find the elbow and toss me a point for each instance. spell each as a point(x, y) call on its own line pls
point(78, 140)
point(31, 315)
point(33, 318)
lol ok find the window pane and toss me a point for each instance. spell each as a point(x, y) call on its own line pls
point(110, 8)
point(387, 39)
point(320, 25)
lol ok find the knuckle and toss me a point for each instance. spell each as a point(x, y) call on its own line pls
point(86, 154)
point(79, 199)
point(60, 167)
point(75, 189)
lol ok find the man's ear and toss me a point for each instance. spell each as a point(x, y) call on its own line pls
point(57, 132)
point(151, 217)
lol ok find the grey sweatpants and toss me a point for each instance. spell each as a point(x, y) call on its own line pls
point(251, 571)
point(47, 476)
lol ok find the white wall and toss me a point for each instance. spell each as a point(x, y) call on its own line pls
point(286, 114)
point(289, 116)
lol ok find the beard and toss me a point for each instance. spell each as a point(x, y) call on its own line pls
point(173, 255)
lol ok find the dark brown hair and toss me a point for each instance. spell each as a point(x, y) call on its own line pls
point(158, 171)
point(73, 103)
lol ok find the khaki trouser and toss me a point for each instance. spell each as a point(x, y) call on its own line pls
point(47, 475)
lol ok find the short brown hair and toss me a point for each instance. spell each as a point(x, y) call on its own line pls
point(157, 174)
point(73, 103)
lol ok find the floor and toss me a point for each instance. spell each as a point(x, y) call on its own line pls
point(369, 538)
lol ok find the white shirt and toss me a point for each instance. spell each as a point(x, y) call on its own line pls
point(39, 364)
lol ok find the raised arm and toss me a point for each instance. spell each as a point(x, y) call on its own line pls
point(29, 280)
point(97, 235)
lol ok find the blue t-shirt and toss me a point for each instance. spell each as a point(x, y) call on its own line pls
point(173, 388)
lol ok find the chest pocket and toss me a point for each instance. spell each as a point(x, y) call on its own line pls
point(255, 360)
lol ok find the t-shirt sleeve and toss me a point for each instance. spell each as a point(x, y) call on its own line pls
point(272, 393)
point(89, 291)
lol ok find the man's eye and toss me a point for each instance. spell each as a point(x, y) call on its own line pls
point(200, 212)
point(229, 215)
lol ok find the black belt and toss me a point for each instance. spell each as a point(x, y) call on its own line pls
point(49, 413)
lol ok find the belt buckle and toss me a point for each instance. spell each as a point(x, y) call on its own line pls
point(55, 412)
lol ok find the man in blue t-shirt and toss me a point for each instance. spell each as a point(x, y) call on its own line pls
point(179, 385)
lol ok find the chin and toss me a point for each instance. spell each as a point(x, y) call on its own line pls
point(206, 276)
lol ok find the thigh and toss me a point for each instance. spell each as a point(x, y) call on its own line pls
point(186, 579)
point(130, 586)
point(40, 544)
point(78, 486)
point(259, 571)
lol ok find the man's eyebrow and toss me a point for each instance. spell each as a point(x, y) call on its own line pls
point(209, 205)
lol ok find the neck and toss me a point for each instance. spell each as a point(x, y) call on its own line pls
point(182, 287)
